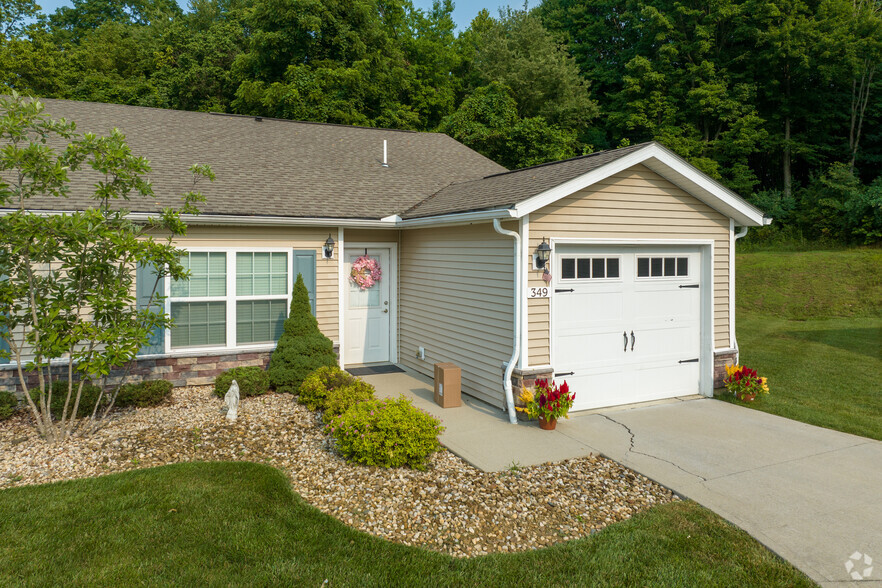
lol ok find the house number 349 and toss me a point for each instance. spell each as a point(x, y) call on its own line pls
point(537, 292)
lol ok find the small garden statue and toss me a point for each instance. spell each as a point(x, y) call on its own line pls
point(231, 401)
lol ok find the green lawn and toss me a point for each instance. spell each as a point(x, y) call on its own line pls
point(240, 524)
point(812, 323)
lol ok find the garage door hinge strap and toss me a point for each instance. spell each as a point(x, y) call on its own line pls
point(688, 360)
point(556, 375)
point(564, 290)
point(689, 286)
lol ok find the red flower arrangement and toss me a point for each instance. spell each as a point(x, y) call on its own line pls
point(548, 401)
point(744, 382)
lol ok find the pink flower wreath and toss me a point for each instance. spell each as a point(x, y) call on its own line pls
point(365, 272)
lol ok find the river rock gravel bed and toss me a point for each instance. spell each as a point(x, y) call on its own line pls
point(452, 507)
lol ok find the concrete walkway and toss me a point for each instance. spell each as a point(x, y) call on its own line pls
point(812, 495)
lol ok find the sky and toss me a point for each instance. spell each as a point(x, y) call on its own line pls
point(463, 12)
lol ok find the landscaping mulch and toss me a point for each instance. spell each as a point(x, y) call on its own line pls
point(452, 507)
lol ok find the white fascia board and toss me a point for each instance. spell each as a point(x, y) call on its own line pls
point(659, 159)
point(460, 218)
point(222, 219)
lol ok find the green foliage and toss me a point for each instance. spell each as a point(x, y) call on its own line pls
point(143, 394)
point(315, 388)
point(89, 398)
point(85, 256)
point(386, 433)
point(8, 404)
point(302, 348)
point(488, 122)
point(341, 399)
point(253, 381)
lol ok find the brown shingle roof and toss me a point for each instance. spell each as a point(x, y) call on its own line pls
point(274, 167)
point(504, 190)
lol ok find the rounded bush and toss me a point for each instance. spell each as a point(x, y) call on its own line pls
point(314, 389)
point(341, 399)
point(144, 394)
point(8, 404)
point(386, 433)
point(252, 380)
point(88, 398)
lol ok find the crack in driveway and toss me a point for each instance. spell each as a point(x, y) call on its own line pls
point(632, 450)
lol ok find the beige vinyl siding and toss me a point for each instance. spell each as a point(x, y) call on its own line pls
point(634, 204)
point(456, 300)
point(326, 307)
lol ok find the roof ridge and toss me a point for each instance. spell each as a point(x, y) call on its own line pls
point(548, 163)
point(236, 115)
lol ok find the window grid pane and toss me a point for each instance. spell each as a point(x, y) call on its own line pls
point(198, 324)
point(261, 274)
point(583, 268)
point(208, 275)
point(568, 268)
point(259, 321)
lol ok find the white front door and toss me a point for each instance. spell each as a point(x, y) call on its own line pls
point(627, 323)
point(367, 312)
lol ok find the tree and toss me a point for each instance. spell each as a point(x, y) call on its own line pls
point(68, 288)
point(302, 348)
point(488, 122)
point(518, 52)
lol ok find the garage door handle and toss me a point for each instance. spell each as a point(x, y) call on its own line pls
point(633, 339)
point(689, 286)
point(625, 335)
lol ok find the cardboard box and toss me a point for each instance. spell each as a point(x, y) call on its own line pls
point(448, 384)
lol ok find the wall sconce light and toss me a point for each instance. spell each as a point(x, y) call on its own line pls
point(543, 254)
point(328, 250)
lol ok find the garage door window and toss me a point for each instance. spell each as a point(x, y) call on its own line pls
point(585, 268)
point(662, 267)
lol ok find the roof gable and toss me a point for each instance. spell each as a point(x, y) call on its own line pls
point(524, 191)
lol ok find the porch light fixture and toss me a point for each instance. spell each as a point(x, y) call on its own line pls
point(328, 250)
point(543, 253)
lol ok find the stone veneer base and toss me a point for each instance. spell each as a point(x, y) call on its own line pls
point(196, 370)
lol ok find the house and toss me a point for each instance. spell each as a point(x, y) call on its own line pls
point(614, 270)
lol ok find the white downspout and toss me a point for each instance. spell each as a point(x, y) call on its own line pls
point(509, 397)
point(736, 236)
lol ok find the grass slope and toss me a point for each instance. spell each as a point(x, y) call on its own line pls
point(812, 323)
point(240, 524)
point(810, 284)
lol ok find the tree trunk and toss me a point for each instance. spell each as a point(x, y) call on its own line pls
point(787, 154)
point(787, 176)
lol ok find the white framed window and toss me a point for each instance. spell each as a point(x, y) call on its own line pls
point(662, 267)
point(235, 297)
point(590, 268)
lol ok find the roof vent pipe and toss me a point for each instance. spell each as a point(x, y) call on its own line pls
point(516, 352)
point(385, 160)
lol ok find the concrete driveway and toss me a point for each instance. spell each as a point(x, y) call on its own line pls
point(812, 495)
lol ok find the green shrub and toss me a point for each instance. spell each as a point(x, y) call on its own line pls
point(253, 381)
point(386, 433)
point(302, 348)
point(88, 398)
point(8, 404)
point(143, 394)
point(314, 389)
point(339, 400)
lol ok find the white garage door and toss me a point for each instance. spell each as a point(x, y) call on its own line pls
point(627, 323)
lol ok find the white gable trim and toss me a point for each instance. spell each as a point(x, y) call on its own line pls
point(668, 165)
